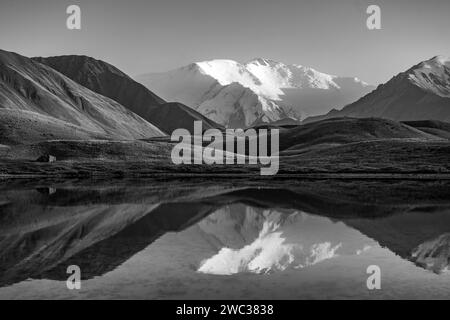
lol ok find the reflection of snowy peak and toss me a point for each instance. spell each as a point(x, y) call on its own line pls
point(236, 94)
point(262, 241)
point(434, 254)
point(420, 93)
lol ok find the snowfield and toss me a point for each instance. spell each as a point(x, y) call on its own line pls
point(262, 90)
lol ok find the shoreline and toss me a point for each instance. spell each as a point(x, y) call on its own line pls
point(232, 176)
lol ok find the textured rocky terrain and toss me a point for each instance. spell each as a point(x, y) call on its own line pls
point(420, 93)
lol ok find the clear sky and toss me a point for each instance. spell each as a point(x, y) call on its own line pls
point(140, 36)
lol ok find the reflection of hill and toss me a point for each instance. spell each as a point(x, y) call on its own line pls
point(413, 235)
point(100, 227)
point(61, 233)
point(106, 255)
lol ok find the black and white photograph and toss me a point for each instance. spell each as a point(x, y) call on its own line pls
point(228, 151)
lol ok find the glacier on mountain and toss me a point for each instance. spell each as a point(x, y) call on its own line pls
point(239, 95)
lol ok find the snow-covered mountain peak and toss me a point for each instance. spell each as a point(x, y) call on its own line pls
point(445, 60)
point(236, 94)
point(262, 61)
point(267, 77)
point(228, 71)
point(421, 92)
point(433, 75)
point(358, 80)
point(434, 64)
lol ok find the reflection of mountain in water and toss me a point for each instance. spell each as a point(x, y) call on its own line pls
point(255, 227)
point(418, 235)
point(434, 254)
point(272, 240)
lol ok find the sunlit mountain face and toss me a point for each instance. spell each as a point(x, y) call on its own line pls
point(420, 93)
point(266, 241)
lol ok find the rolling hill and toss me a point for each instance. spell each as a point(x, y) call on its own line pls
point(339, 131)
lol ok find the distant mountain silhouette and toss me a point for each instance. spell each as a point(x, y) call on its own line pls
point(107, 80)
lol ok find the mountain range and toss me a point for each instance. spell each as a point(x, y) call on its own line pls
point(35, 97)
point(107, 80)
point(77, 109)
point(81, 98)
point(239, 95)
point(420, 93)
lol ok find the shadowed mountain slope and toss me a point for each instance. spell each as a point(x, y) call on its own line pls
point(107, 80)
point(31, 87)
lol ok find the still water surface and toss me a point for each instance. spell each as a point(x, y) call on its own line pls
point(210, 240)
